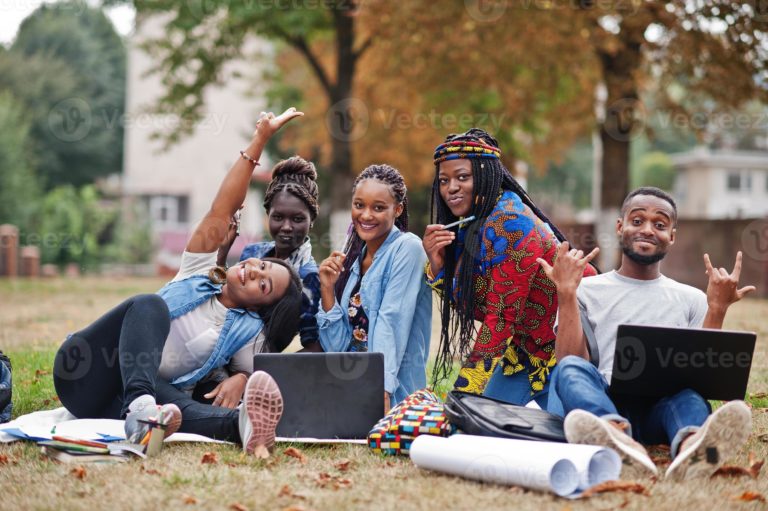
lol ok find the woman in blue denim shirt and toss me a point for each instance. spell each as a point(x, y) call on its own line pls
point(373, 295)
point(291, 205)
point(152, 348)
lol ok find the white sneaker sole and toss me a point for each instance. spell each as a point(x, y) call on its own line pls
point(582, 427)
point(264, 405)
point(722, 435)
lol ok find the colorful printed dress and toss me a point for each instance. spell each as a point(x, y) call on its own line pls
point(516, 302)
point(358, 320)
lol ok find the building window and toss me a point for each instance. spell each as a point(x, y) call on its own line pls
point(739, 181)
point(168, 211)
point(734, 181)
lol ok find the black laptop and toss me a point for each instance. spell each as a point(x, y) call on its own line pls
point(654, 361)
point(327, 395)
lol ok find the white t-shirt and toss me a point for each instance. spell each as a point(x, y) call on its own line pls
point(611, 299)
point(194, 335)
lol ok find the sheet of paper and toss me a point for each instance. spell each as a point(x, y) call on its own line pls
point(563, 469)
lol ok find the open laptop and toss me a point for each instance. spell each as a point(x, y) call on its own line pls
point(327, 395)
point(652, 361)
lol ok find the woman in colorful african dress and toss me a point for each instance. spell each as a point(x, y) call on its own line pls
point(494, 278)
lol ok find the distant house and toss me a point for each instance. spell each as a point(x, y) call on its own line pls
point(721, 184)
point(175, 187)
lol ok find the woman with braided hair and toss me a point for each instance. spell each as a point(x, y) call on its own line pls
point(373, 294)
point(291, 203)
point(493, 276)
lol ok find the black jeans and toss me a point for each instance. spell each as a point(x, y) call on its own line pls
point(99, 370)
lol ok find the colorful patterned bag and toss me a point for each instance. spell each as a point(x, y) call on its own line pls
point(421, 413)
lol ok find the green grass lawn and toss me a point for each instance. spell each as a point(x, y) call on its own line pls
point(35, 317)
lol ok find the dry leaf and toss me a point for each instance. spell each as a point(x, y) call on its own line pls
point(343, 465)
point(78, 472)
point(236, 506)
point(150, 471)
point(294, 508)
point(731, 470)
point(763, 437)
point(661, 460)
point(3, 459)
point(209, 457)
point(55, 398)
point(754, 465)
point(188, 499)
point(295, 453)
point(46, 402)
point(340, 483)
point(611, 486)
point(285, 491)
point(322, 479)
point(758, 395)
point(749, 496)
point(40, 372)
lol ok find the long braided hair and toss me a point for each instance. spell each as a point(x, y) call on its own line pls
point(298, 177)
point(489, 178)
point(353, 247)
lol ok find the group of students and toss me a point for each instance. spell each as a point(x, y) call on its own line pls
point(511, 299)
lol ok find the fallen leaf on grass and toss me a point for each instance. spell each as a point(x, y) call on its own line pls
point(340, 483)
point(209, 458)
point(3, 459)
point(611, 486)
point(79, 472)
point(324, 479)
point(150, 471)
point(749, 496)
point(732, 470)
point(343, 465)
point(294, 508)
point(236, 506)
point(295, 453)
point(287, 491)
point(40, 372)
point(758, 395)
point(661, 460)
point(188, 499)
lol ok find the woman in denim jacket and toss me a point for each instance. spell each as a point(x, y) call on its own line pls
point(373, 295)
point(151, 348)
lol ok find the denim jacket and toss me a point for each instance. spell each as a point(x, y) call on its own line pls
point(303, 262)
point(239, 327)
point(398, 304)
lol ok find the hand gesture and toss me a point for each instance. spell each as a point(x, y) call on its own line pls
point(268, 124)
point(723, 287)
point(229, 392)
point(331, 268)
point(568, 267)
point(436, 238)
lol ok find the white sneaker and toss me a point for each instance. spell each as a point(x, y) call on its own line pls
point(720, 437)
point(582, 427)
point(168, 414)
point(259, 414)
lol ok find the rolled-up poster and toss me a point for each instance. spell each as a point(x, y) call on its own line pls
point(563, 469)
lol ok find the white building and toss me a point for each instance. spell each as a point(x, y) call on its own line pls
point(717, 184)
point(177, 186)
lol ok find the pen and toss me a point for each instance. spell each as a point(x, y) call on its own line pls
point(459, 222)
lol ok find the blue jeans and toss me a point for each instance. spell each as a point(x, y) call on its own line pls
point(99, 370)
point(577, 384)
point(515, 389)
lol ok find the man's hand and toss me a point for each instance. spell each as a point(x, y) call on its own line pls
point(268, 124)
point(229, 392)
point(568, 267)
point(723, 287)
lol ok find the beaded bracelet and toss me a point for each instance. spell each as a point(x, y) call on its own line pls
point(244, 156)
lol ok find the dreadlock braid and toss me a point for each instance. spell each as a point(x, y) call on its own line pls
point(298, 177)
point(489, 178)
point(391, 177)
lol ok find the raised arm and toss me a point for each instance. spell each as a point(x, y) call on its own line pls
point(211, 232)
point(566, 272)
point(722, 291)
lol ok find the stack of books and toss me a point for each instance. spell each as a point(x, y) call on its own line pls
point(74, 450)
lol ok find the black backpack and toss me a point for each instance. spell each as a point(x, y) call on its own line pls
point(6, 403)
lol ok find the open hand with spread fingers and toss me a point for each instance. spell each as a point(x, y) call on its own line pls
point(723, 287)
point(568, 267)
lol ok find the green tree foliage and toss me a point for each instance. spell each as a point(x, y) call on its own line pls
point(73, 226)
point(18, 188)
point(67, 66)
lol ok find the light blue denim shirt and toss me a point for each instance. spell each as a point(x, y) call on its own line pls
point(240, 325)
point(398, 304)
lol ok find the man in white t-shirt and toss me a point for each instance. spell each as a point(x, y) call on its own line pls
point(638, 293)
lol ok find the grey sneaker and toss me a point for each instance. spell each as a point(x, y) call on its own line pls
point(169, 414)
point(259, 414)
point(582, 427)
point(721, 435)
